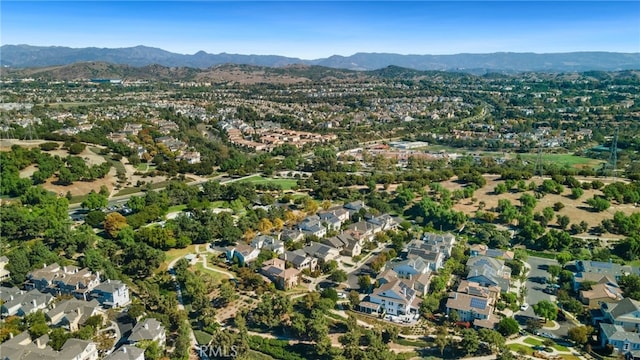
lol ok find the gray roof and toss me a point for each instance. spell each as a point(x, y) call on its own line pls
point(296, 257)
point(618, 333)
point(317, 249)
point(6, 293)
point(148, 329)
point(624, 307)
point(125, 352)
point(109, 286)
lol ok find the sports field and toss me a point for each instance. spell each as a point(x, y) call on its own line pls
point(286, 184)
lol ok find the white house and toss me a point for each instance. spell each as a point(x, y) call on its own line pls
point(112, 293)
point(396, 298)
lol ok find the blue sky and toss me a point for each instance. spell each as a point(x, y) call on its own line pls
point(309, 29)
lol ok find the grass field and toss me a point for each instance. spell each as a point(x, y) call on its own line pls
point(176, 208)
point(176, 253)
point(534, 342)
point(286, 184)
point(564, 160)
point(521, 349)
point(214, 275)
point(145, 167)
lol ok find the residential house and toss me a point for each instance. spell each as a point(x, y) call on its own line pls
point(321, 252)
point(383, 222)
point(300, 260)
point(112, 294)
point(361, 230)
point(331, 221)
point(267, 242)
point(601, 293)
point(291, 235)
point(243, 253)
point(21, 347)
point(591, 278)
point(66, 280)
point(587, 270)
point(4, 273)
point(488, 271)
point(625, 313)
point(436, 243)
point(409, 268)
point(148, 329)
point(474, 309)
point(484, 250)
point(623, 341)
point(346, 244)
point(419, 282)
point(312, 225)
point(395, 298)
point(71, 314)
point(341, 213)
point(277, 272)
point(22, 303)
point(126, 352)
point(354, 207)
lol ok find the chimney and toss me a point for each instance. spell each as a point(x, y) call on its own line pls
point(33, 302)
point(146, 326)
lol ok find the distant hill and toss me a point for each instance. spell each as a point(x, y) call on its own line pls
point(24, 56)
point(251, 74)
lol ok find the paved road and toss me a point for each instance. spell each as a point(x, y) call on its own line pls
point(537, 270)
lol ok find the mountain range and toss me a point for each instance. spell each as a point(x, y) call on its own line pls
point(27, 56)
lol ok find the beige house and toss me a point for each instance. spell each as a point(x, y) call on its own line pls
point(276, 271)
point(601, 293)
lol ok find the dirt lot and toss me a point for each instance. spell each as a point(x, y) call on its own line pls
point(576, 210)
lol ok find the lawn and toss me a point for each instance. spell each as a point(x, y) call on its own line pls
point(521, 349)
point(154, 186)
point(202, 337)
point(145, 167)
point(220, 204)
point(177, 208)
point(286, 184)
point(176, 253)
point(534, 342)
point(568, 160)
point(215, 276)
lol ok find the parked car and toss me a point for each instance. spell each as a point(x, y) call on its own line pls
point(524, 307)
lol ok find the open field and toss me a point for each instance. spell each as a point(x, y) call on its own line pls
point(576, 210)
point(215, 276)
point(174, 254)
point(286, 184)
point(564, 160)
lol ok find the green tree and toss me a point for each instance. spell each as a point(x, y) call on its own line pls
point(580, 334)
point(508, 326)
point(546, 309)
point(364, 282)
point(563, 221)
point(338, 276)
point(354, 298)
point(113, 223)
point(94, 201)
point(470, 341)
point(598, 204)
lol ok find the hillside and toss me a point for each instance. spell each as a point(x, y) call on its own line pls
point(24, 56)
